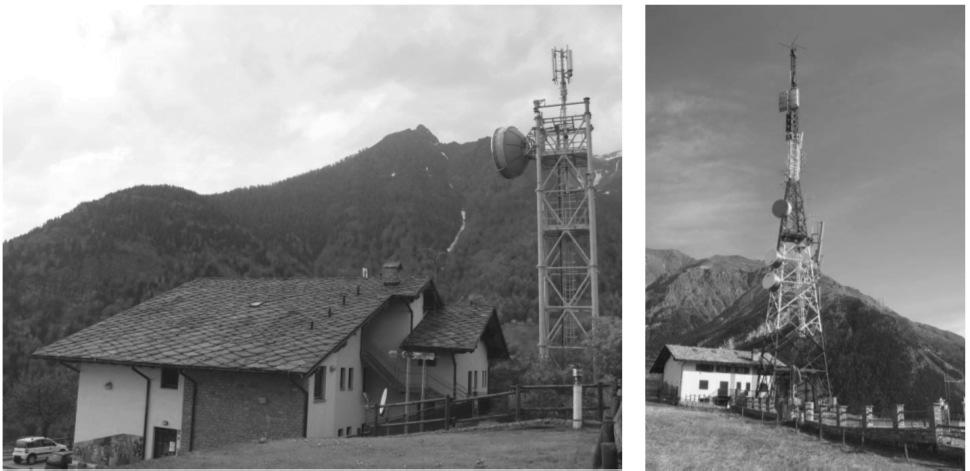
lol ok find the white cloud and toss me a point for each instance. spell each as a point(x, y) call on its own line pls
point(108, 161)
point(213, 98)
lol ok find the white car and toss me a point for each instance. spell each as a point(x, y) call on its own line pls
point(30, 449)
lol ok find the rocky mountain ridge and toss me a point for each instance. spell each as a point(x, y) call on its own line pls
point(876, 356)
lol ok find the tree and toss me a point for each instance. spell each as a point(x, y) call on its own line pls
point(42, 404)
point(605, 350)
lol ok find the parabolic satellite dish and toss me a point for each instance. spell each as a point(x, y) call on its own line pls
point(781, 209)
point(380, 411)
point(770, 281)
point(510, 150)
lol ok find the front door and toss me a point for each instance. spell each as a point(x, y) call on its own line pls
point(165, 439)
point(722, 389)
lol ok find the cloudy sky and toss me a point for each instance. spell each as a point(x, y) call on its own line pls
point(882, 91)
point(214, 98)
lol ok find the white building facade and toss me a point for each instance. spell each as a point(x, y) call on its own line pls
point(698, 374)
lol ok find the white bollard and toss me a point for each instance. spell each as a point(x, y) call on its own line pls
point(577, 401)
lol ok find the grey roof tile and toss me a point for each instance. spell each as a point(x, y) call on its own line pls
point(209, 322)
point(450, 328)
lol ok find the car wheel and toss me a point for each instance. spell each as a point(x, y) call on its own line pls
point(31, 459)
point(16, 460)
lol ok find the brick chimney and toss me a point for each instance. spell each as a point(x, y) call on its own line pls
point(391, 273)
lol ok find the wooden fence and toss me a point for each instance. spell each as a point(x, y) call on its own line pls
point(521, 402)
point(928, 428)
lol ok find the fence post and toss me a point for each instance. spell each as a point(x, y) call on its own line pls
point(447, 412)
point(577, 404)
point(899, 418)
point(761, 405)
point(936, 420)
point(809, 411)
point(517, 401)
point(866, 423)
point(599, 399)
point(377, 415)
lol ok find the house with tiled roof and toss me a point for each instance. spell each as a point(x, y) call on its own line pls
point(700, 374)
point(219, 361)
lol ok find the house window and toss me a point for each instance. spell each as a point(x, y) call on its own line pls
point(469, 387)
point(343, 379)
point(737, 387)
point(747, 386)
point(741, 369)
point(170, 378)
point(484, 379)
point(320, 384)
point(476, 380)
point(350, 380)
point(348, 432)
point(340, 432)
point(703, 385)
point(723, 369)
point(428, 363)
point(705, 367)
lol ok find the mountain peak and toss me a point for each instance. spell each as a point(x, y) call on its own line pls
point(421, 129)
point(418, 136)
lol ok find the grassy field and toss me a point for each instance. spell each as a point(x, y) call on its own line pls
point(679, 438)
point(531, 445)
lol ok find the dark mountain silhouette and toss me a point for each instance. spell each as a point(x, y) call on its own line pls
point(402, 198)
point(876, 356)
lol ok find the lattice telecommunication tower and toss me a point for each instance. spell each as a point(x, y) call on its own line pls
point(794, 316)
point(561, 145)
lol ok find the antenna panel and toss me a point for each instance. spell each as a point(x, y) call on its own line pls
point(783, 102)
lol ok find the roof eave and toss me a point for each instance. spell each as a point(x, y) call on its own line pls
point(104, 361)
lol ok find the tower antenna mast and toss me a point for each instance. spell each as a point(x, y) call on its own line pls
point(568, 277)
point(796, 358)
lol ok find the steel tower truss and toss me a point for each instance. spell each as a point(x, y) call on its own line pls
point(794, 312)
point(566, 220)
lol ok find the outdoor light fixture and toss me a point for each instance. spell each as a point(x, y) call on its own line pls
point(109, 386)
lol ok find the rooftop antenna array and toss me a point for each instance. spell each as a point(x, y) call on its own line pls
point(794, 319)
point(568, 280)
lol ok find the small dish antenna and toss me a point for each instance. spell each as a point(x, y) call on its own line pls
point(380, 410)
point(770, 281)
point(510, 151)
point(781, 209)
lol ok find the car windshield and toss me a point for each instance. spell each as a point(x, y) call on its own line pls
point(21, 444)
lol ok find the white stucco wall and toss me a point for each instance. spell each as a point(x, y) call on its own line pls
point(474, 361)
point(417, 306)
point(673, 371)
point(383, 334)
point(440, 376)
point(388, 329)
point(691, 378)
point(103, 412)
point(339, 409)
